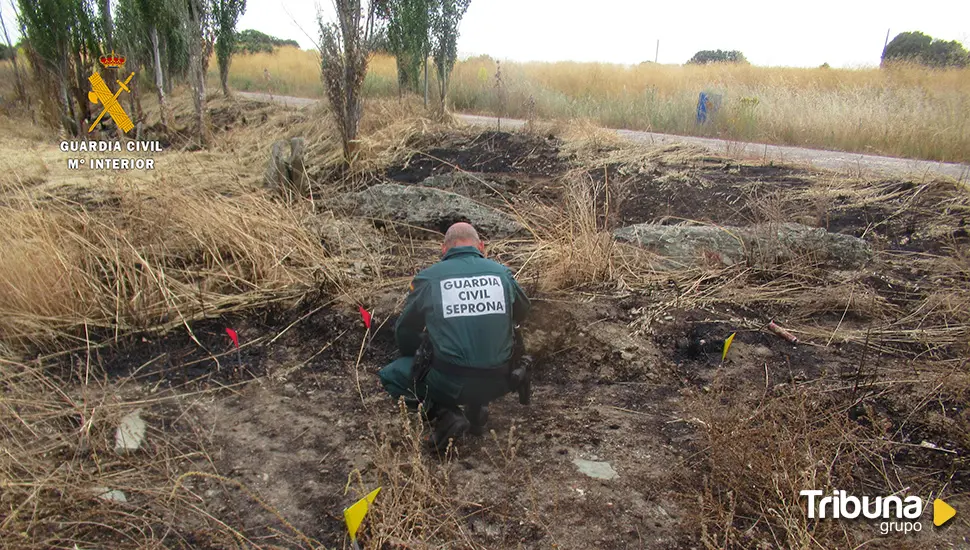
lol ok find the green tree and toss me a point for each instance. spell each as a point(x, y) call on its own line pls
point(226, 13)
point(161, 23)
point(916, 47)
point(444, 23)
point(408, 37)
point(130, 31)
point(62, 41)
point(705, 57)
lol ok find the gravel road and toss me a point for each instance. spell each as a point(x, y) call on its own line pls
point(814, 158)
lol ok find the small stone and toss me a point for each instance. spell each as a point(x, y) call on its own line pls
point(627, 356)
point(596, 469)
point(130, 433)
point(110, 495)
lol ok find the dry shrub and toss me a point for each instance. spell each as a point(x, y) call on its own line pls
point(58, 463)
point(760, 455)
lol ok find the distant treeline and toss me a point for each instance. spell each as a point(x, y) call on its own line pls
point(253, 41)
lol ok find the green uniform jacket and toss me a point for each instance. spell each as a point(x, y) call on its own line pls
point(470, 306)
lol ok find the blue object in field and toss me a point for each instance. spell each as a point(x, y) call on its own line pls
point(702, 103)
point(707, 105)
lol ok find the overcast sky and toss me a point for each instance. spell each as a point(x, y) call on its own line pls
point(843, 33)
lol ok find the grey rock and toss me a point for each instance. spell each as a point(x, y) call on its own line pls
point(428, 208)
point(130, 433)
point(596, 469)
point(766, 244)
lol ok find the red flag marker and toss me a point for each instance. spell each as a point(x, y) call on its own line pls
point(365, 315)
point(235, 337)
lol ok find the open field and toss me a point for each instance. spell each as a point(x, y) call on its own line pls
point(906, 112)
point(116, 290)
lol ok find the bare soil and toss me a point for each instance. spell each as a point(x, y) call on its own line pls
point(295, 428)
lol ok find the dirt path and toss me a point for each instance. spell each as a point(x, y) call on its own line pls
point(813, 158)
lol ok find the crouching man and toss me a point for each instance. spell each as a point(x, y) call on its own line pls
point(459, 320)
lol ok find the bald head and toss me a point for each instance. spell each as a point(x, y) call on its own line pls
point(462, 234)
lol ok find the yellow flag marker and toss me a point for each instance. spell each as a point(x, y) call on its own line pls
point(355, 513)
point(727, 346)
point(942, 512)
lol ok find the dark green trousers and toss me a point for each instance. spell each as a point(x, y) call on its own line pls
point(438, 389)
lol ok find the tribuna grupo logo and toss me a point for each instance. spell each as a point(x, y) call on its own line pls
point(898, 514)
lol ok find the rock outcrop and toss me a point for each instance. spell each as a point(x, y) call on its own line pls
point(428, 208)
point(766, 244)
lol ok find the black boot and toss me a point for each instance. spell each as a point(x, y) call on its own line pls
point(449, 425)
point(478, 416)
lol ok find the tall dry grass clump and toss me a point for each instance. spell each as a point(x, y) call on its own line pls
point(574, 249)
point(156, 260)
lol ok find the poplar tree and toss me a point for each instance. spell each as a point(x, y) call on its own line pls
point(344, 49)
point(61, 39)
point(226, 13)
point(408, 37)
point(444, 28)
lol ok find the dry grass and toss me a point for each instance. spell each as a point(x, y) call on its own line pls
point(574, 250)
point(932, 317)
point(757, 458)
point(90, 256)
point(159, 259)
point(418, 505)
point(764, 444)
point(109, 255)
point(296, 72)
point(59, 461)
point(93, 253)
point(907, 111)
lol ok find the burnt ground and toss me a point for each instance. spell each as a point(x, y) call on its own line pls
point(293, 426)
